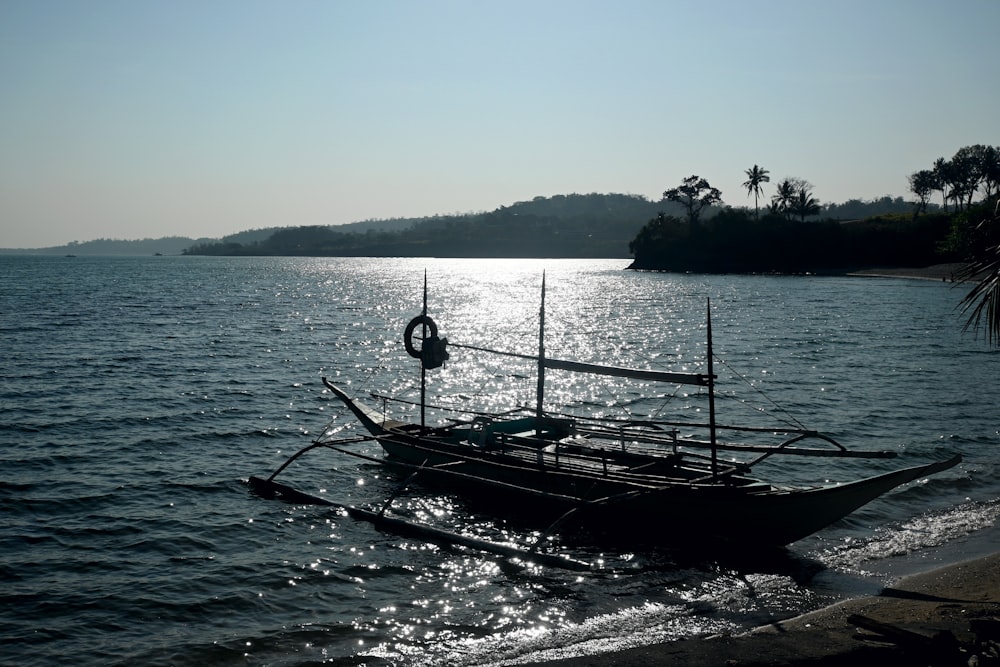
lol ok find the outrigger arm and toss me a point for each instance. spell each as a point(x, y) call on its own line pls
point(268, 488)
point(271, 489)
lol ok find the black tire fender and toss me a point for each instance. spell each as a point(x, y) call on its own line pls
point(411, 327)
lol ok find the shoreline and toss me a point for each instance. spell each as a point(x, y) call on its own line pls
point(935, 616)
point(945, 612)
point(937, 272)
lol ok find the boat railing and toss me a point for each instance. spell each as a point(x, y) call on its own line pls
point(667, 434)
point(655, 433)
point(585, 466)
point(583, 457)
point(570, 458)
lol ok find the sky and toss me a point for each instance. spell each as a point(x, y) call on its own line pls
point(129, 120)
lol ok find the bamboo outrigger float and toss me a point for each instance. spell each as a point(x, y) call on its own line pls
point(634, 480)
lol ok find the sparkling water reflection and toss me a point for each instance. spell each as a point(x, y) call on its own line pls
point(139, 393)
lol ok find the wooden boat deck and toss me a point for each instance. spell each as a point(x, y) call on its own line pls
point(636, 469)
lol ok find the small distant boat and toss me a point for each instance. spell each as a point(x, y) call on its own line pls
point(649, 481)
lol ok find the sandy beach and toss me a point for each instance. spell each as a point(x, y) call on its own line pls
point(942, 617)
point(938, 272)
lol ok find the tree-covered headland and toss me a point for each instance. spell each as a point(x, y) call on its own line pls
point(793, 233)
point(689, 229)
point(591, 225)
point(734, 241)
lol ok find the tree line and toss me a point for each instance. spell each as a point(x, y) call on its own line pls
point(973, 170)
point(591, 225)
point(732, 241)
point(575, 225)
point(735, 241)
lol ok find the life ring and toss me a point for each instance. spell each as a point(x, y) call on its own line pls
point(411, 327)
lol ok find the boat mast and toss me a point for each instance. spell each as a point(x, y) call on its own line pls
point(711, 393)
point(540, 391)
point(423, 371)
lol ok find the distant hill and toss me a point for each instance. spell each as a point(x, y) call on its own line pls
point(259, 235)
point(176, 245)
point(171, 245)
point(592, 225)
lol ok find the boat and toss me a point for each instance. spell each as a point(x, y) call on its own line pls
point(642, 481)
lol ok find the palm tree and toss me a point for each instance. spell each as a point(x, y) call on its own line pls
point(982, 303)
point(755, 177)
point(781, 201)
point(803, 204)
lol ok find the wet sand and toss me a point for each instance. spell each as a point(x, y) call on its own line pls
point(939, 617)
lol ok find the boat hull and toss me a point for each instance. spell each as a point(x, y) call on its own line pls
point(662, 508)
point(672, 513)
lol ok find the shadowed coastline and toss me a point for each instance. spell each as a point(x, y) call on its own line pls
point(941, 617)
point(939, 272)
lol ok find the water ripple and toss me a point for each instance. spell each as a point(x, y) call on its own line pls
point(140, 393)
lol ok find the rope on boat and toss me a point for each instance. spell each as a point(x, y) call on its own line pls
point(791, 424)
point(476, 348)
point(789, 418)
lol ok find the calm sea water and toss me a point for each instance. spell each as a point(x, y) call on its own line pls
point(138, 394)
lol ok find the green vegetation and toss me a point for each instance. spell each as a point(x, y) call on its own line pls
point(593, 225)
point(688, 229)
point(848, 237)
point(695, 195)
point(975, 236)
point(973, 169)
point(735, 242)
point(168, 245)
